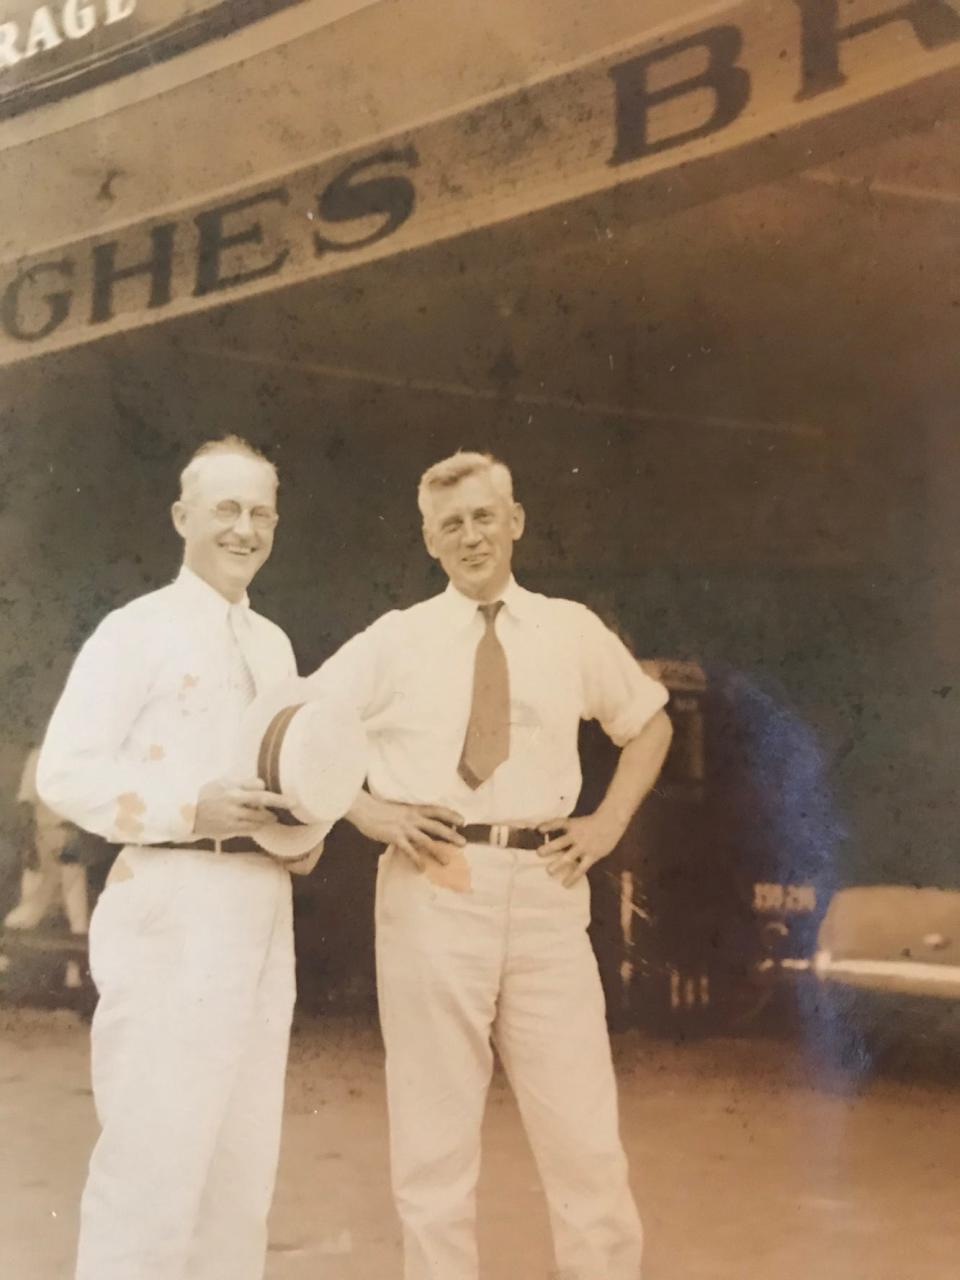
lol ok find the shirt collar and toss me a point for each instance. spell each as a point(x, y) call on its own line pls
point(205, 598)
point(516, 599)
point(462, 609)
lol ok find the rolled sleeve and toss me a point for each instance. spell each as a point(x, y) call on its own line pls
point(618, 693)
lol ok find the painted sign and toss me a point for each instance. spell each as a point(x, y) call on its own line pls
point(52, 50)
point(679, 110)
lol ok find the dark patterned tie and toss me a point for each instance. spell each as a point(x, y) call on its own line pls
point(487, 743)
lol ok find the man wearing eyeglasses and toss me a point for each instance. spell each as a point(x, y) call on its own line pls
point(191, 950)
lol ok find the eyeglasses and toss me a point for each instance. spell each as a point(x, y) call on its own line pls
point(229, 512)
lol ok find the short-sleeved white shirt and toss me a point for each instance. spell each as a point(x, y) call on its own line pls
point(410, 677)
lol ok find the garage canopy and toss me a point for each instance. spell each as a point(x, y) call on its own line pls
point(339, 138)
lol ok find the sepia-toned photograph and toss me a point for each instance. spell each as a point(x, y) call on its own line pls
point(480, 514)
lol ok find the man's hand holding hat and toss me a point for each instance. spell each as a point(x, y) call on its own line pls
point(230, 808)
point(308, 750)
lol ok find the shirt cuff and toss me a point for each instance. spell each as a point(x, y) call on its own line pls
point(162, 819)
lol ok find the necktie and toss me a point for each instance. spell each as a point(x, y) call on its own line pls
point(245, 671)
point(487, 743)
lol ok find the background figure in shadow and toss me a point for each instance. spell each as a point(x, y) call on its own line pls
point(52, 875)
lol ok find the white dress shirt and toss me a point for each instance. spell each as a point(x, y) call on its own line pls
point(410, 677)
point(151, 710)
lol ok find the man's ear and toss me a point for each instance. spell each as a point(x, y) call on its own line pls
point(429, 541)
point(518, 521)
point(178, 514)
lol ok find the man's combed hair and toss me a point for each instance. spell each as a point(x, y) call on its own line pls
point(215, 448)
point(450, 471)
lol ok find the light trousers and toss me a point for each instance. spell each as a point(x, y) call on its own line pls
point(192, 955)
point(507, 961)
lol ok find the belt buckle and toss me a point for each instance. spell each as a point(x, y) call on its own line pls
point(499, 835)
point(217, 845)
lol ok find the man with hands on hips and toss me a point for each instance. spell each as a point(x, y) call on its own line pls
point(472, 702)
point(191, 942)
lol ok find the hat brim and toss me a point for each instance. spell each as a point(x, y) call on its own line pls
point(306, 747)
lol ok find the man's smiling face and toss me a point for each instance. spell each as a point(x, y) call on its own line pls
point(471, 530)
point(227, 521)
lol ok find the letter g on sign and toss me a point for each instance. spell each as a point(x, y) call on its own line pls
point(20, 305)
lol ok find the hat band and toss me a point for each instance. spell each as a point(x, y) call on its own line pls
point(268, 761)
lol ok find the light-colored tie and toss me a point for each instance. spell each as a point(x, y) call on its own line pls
point(487, 743)
point(245, 661)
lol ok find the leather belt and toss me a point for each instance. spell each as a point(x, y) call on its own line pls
point(502, 836)
point(233, 844)
point(497, 834)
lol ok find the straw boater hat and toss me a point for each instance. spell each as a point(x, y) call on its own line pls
point(309, 746)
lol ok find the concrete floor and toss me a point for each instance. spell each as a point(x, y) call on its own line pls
point(742, 1169)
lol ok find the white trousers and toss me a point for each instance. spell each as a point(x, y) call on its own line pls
point(507, 961)
point(192, 955)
